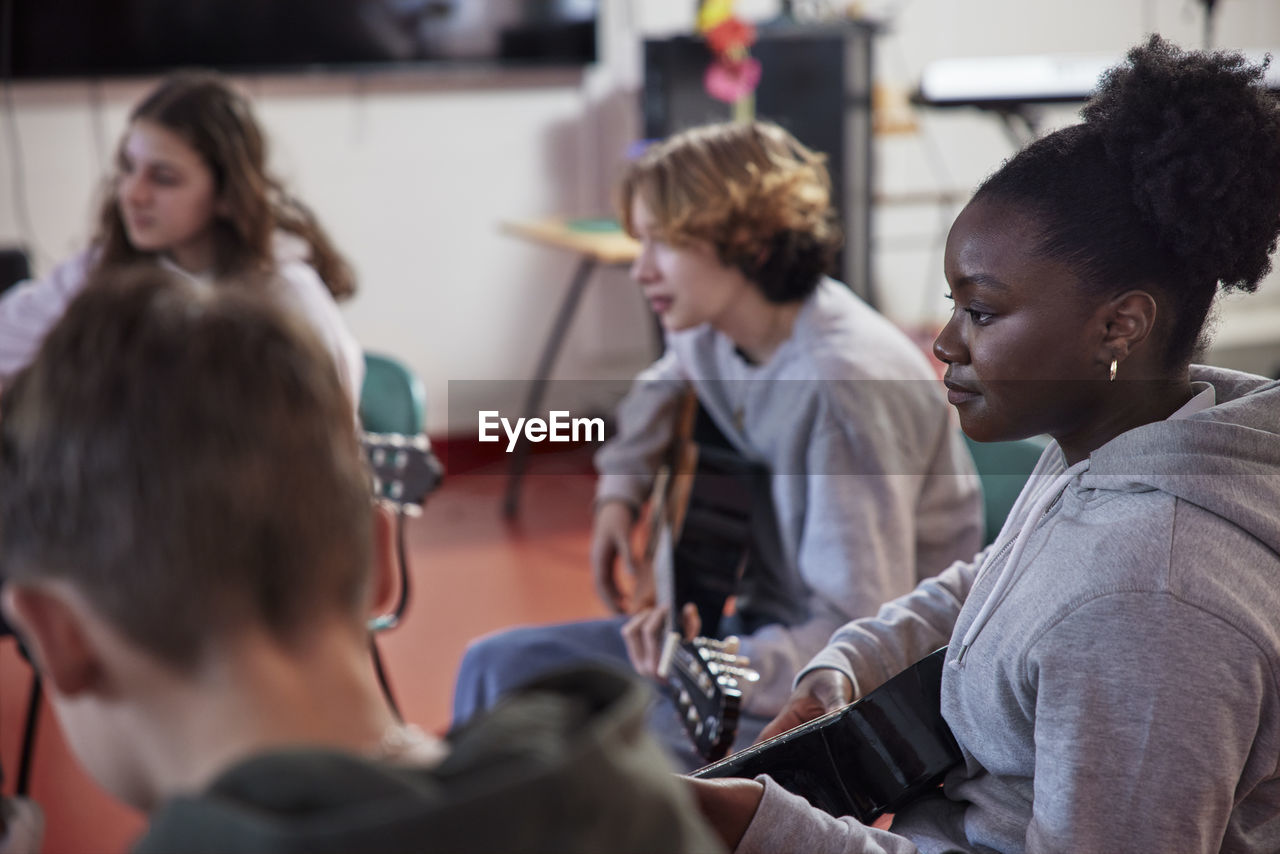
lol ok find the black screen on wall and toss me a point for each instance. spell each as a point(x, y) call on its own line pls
point(71, 38)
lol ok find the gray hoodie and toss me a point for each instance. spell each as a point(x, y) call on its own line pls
point(1113, 677)
point(870, 484)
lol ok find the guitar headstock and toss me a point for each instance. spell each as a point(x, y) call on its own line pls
point(707, 678)
point(405, 470)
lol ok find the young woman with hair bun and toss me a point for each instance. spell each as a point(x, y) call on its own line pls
point(1112, 672)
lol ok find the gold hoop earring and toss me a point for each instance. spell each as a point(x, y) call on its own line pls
point(1115, 364)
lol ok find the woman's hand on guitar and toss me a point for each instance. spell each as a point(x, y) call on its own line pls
point(611, 542)
point(818, 692)
point(728, 804)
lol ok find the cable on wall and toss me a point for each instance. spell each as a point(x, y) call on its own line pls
point(21, 205)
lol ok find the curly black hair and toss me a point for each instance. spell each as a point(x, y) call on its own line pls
point(1172, 181)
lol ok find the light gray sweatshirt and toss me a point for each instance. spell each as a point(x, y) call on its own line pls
point(1113, 676)
point(869, 481)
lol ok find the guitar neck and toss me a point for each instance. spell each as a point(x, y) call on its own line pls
point(701, 508)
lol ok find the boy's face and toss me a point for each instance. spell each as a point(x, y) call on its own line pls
point(686, 285)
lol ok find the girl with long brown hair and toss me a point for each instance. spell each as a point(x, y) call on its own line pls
point(191, 192)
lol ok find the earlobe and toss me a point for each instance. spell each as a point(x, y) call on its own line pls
point(385, 557)
point(53, 629)
point(1130, 319)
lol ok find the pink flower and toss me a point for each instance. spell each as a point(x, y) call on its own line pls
point(731, 81)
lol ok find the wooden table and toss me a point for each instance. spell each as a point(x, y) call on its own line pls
point(596, 242)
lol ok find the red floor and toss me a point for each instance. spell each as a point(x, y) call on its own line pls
point(473, 572)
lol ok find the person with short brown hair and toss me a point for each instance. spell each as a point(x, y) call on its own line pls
point(190, 550)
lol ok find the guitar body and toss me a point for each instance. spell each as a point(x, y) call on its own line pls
point(711, 531)
point(868, 758)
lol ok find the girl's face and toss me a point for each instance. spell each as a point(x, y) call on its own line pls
point(1022, 344)
point(167, 197)
point(685, 285)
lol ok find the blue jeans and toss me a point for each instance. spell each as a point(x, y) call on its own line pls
point(495, 664)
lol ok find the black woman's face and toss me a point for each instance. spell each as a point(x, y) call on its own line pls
point(1022, 343)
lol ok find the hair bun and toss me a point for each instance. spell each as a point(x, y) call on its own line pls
point(1199, 138)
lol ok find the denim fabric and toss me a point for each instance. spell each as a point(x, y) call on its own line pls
point(495, 664)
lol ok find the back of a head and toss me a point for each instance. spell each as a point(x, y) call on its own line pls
point(185, 458)
point(752, 191)
point(1172, 182)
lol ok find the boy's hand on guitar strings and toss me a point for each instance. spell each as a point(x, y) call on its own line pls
point(818, 692)
point(646, 632)
point(611, 541)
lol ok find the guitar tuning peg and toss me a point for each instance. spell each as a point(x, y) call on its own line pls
point(714, 657)
point(746, 674)
point(728, 645)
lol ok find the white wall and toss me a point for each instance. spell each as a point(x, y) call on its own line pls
point(414, 171)
point(954, 150)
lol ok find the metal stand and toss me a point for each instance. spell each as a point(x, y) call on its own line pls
point(538, 387)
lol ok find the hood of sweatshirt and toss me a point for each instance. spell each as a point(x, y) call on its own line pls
point(1225, 459)
point(565, 765)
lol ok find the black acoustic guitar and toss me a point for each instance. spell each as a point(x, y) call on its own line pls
point(701, 507)
point(868, 758)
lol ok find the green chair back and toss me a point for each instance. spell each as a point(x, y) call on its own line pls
point(392, 399)
point(1003, 468)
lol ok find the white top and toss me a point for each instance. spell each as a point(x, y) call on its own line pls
point(31, 308)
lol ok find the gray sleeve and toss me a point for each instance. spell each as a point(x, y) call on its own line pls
point(785, 822)
point(891, 496)
point(1147, 712)
point(646, 425)
point(870, 651)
